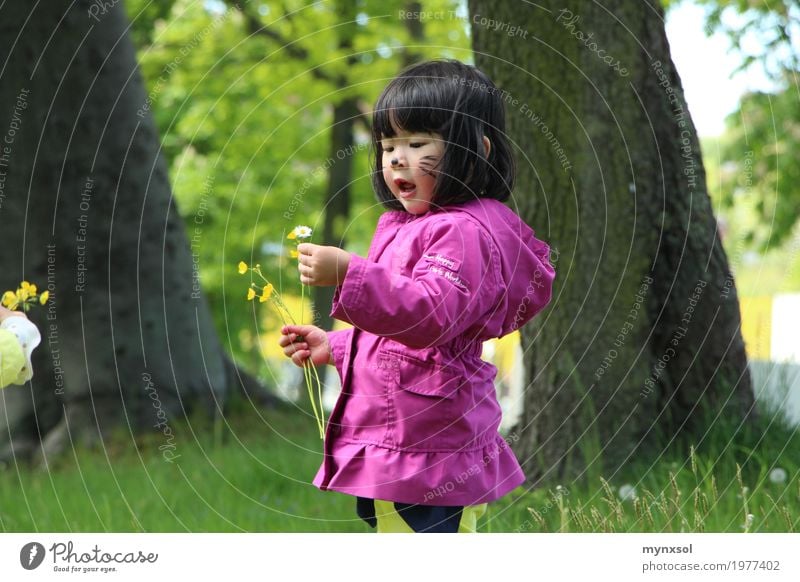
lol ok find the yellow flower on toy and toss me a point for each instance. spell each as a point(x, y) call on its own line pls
point(9, 299)
point(24, 297)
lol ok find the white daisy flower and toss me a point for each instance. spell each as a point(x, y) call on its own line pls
point(302, 232)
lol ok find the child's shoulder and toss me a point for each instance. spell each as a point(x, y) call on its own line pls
point(482, 215)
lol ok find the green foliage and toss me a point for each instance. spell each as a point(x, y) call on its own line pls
point(243, 101)
point(143, 15)
point(758, 181)
point(760, 174)
point(762, 32)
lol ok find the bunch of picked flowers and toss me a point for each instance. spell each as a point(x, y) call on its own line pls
point(266, 292)
point(24, 297)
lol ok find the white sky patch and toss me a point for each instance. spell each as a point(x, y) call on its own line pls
point(706, 66)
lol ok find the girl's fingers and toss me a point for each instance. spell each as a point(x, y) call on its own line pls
point(290, 346)
point(294, 330)
point(300, 357)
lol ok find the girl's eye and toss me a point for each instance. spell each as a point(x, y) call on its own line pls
point(417, 144)
point(388, 149)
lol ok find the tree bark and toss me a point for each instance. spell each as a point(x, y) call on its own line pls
point(642, 341)
point(128, 340)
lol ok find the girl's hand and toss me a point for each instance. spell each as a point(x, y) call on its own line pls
point(5, 312)
point(322, 266)
point(305, 342)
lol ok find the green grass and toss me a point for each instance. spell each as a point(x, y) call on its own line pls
point(255, 478)
point(253, 474)
point(710, 486)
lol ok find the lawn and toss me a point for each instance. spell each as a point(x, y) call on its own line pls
point(252, 472)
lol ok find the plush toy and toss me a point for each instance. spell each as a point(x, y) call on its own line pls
point(18, 338)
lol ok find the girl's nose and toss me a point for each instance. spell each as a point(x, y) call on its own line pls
point(397, 159)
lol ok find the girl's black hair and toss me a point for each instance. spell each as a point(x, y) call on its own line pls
point(460, 103)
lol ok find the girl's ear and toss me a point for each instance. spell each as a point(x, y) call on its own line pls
point(487, 145)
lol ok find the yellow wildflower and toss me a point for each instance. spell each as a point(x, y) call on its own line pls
point(24, 297)
point(251, 293)
point(9, 299)
point(242, 267)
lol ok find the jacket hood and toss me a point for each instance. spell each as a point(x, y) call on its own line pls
point(525, 267)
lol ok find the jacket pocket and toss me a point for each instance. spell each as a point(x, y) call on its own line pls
point(425, 404)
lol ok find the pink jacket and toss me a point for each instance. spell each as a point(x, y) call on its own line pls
point(417, 418)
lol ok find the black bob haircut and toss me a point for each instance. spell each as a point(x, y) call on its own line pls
point(460, 103)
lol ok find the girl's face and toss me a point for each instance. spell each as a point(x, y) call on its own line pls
point(409, 162)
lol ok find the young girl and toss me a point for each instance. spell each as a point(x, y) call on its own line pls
point(414, 434)
point(18, 338)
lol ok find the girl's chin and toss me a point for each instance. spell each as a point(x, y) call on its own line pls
point(415, 206)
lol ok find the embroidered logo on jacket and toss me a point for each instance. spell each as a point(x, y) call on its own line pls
point(449, 275)
point(441, 260)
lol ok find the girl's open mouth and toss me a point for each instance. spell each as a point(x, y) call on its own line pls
point(406, 188)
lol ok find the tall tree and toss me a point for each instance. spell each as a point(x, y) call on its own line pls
point(642, 342)
point(88, 214)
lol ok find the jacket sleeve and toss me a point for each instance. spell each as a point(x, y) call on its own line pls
point(337, 340)
point(449, 288)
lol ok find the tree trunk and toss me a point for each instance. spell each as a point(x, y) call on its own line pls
point(128, 339)
point(340, 160)
point(337, 205)
point(642, 341)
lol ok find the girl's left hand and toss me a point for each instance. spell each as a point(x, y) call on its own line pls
point(322, 266)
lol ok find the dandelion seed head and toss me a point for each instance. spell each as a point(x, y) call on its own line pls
point(627, 492)
point(778, 475)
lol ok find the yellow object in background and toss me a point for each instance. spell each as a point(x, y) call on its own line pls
point(757, 326)
point(272, 323)
point(12, 358)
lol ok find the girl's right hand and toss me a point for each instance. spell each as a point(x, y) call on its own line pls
point(313, 344)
